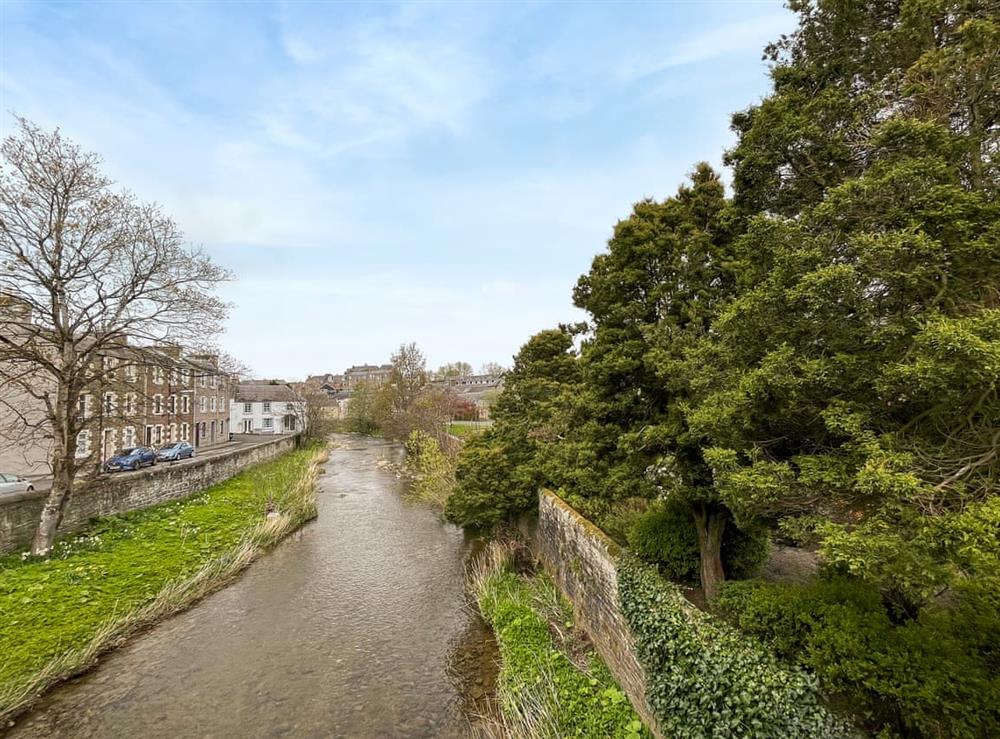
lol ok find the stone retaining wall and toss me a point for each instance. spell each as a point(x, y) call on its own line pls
point(125, 492)
point(581, 559)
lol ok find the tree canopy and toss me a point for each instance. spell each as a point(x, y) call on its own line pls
point(819, 350)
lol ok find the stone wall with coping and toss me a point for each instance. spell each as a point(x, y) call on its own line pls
point(581, 559)
point(123, 492)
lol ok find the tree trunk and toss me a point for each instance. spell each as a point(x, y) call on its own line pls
point(63, 470)
point(710, 524)
point(52, 512)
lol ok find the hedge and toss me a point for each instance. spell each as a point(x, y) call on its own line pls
point(934, 676)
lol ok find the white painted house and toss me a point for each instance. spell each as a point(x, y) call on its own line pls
point(266, 408)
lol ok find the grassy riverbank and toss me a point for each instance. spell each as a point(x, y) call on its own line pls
point(127, 571)
point(552, 684)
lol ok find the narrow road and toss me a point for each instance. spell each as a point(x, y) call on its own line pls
point(343, 631)
point(43, 483)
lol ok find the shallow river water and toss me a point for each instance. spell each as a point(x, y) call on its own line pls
point(344, 630)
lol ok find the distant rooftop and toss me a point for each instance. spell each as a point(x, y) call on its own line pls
point(259, 391)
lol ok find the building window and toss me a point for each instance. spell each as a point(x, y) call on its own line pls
point(248, 407)
point(110, 401)
point(83, 444)
point(109, 367)
point(128, 437)
point(213, 404)
point(185, 432)
point(172, 404)
point(185, 404)
point(203, 381)
point(203, 403)
point(157, 375)
point(131, 373)
point(158, 404)
point(268, 422)
point(83, 406)
point(214, 382)
point(172, 432)
point(267, 407)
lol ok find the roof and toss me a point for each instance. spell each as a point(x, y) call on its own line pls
point(367, 368)
point(255, 392)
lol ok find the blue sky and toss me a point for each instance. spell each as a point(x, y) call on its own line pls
point(375, 173)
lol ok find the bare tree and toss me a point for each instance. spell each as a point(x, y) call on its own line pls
point(84, 270)
point(408, 376)
point(492, 368)
point(315, 413)
point(453, 369)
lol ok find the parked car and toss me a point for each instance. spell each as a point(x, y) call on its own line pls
point(14, 484)
point(131, 459)
point(173, 452)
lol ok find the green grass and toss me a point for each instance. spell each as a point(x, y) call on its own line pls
point(124, 571)
point(462, 429)
point(543, 693)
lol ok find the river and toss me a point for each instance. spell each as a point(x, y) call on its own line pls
point(344, 630)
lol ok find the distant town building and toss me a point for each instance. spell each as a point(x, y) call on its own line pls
point(328, 383)
point(139, 395)
point(474, 391)
point(369, 374)
point(267, 407)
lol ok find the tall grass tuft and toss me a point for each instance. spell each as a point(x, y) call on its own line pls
point(542, 693)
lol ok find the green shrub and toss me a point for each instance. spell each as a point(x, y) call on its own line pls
point(493, 484)
point(666, 535)
point(928, 677)
point(431, 471)
point(705, 679)
point(620, 517)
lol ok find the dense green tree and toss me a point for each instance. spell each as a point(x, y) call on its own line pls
point(501, 470)
point(667, 270)
point(855, 377)
point(849, 67)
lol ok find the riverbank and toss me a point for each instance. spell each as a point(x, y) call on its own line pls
point(551, 683)
point(127, 572)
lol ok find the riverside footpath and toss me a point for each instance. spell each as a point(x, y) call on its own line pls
point(344, 630)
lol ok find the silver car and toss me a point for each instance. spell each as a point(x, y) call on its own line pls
point(14, 484)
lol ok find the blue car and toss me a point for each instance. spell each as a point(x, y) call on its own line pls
point(173, 452)
point(131, 459)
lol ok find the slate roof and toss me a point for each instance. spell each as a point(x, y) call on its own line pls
point(255, 392)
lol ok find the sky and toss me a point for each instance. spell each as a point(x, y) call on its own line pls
point(379, 173)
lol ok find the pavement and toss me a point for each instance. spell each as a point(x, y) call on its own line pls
point(44, 483)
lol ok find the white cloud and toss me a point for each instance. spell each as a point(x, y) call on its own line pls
point(373, 84)
point(727, 39)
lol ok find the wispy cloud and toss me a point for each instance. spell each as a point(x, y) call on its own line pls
point(725, 40)
point(378, 82)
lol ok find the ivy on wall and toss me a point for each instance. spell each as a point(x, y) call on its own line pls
point(705, 679)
